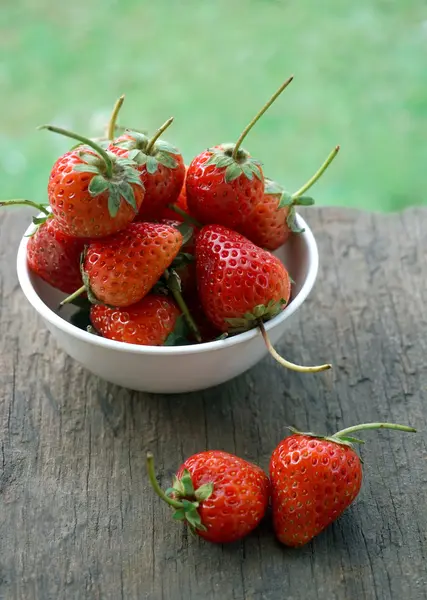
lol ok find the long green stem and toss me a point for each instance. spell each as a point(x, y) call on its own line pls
point(158, 134)
point(176, 293)
point(84, 140)
point(317, 175)
point(73, 296)
point(26, 203)
point(285, 363)
point(259, 115)
point(366, 426)
point(113, 118)
point(155, 485)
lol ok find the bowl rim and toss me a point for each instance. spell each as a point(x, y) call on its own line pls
point(68, 328)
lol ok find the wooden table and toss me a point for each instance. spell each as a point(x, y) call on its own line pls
point(77, 517)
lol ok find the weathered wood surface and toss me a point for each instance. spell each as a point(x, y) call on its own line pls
point(77, 518)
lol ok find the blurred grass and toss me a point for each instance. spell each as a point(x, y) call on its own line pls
point(360, 80)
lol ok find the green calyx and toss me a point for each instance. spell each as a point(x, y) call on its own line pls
point(150, 152)
point(259, 314)
point(242, 164)
point(182, 497)
point(111, 174)
point(345, 437)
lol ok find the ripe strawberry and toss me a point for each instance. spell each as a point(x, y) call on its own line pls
point(220, 496)
point(238, 282)
point(161, 169)
point(225, 183)
point(272, 220)
point(314, 479)
point(241, 286)
point(180, 205)
point(122, 269)
point(147, 323)
point(92, 192)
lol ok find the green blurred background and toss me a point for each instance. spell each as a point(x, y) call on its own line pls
point(360, 80)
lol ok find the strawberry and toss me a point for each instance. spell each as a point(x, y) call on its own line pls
point(122, 269)
point(148, 322)
point(179, 210)
point(314, 479)
point(240, 285)
point(52, 254)
point(220, 496)
point(161, 169)
point(225, 183)
point(92, 192)
point(272, 220)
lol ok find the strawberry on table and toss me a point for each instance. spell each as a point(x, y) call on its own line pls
point(122, 269)
point(314, 479)
point(92, 193)
point(220, 496)
point(241, 285)
point(272, 220)
point(148, 322)
point(161, 169)
point(225, 183)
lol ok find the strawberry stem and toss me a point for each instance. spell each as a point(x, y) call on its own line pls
point(285, 363)
point(73, 296)
point(366, 426)
point(40, 207)
point(76, 136)
point(155, 484)
point(317, 175)
point(187, 218)
point(259, 115)
point(174, 287)
point(112, 123)
point(157, 135)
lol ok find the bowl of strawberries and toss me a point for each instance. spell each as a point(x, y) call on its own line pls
point(162, 277)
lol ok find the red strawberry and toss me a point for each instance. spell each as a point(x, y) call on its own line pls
point(241, 286)
point(181, 205)
point(272, 220)
point(225, 183)
point(147, 323)
point(92, 192)
point(55, 256)
point(122, 269)
point(314, 479)
point(238, 282)
point(220, 496)
point(161, 168)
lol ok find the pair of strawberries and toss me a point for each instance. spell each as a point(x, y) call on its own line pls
point(313, 479)
point(116, 226)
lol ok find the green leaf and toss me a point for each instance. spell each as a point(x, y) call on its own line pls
point(163, 146)
point(247, 171)
point(151, 165)
point(113, 201)
point(181, 260)
point(40, 220)
point(90, 159)
point(126, 191)
point(232, 172)
point(304, 201)
point(272, 188)
point(166, 160)
point(291, 221)
point(179, 515)
point(132, 176)
point(84, 168)
point(132, 154)
point(187, 482)
point(170, 491)
point(224, 161)
point(204, 491)
point(221, 337)
point(285, 200)
point(97, 185)
point(352, 440)
point(192, 516)
point(186, 231)
point(180, 335)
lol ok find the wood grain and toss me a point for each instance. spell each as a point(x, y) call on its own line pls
point(77, 518)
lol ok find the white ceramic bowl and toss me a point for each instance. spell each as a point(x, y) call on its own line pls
point(171, 369)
